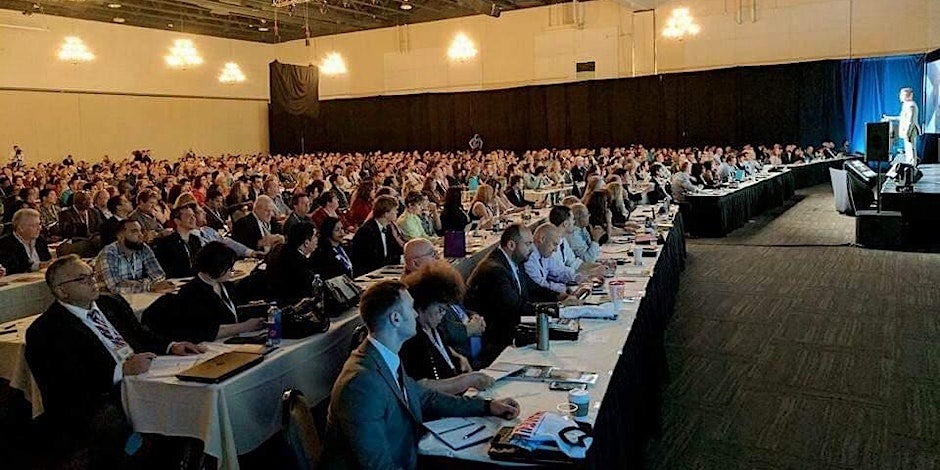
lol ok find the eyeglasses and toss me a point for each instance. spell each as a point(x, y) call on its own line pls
point(82, 278)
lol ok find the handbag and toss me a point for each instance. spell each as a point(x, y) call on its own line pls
point(455, 244)
point(342, 294)
point(302, 319)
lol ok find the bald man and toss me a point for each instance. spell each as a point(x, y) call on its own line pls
point(259, 230)
point(543, 267)
point(419, 252)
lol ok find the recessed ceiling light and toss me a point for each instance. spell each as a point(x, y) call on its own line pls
point(405, 6)
point(114, 5)
point(118, 19)
point(263, 29)
point(169, 25)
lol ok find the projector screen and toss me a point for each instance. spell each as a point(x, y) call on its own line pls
point(932, 104)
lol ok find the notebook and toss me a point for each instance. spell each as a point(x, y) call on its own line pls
point(220, 367)
point(459, 433)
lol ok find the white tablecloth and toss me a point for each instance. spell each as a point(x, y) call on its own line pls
point(239, 414)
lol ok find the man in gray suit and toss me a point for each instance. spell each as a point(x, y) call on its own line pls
point(376, 410)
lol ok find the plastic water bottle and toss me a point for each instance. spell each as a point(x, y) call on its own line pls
point(274, 326)
point(316, 288)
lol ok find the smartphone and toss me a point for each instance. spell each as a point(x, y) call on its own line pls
point(566, 386)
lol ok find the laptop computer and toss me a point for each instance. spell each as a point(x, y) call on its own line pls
point(220, 367)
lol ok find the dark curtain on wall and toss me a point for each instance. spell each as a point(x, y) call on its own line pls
point(871, 89)
point(294, 104)
point(795, 103)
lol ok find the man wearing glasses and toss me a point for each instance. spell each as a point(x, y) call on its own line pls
point(79, 350)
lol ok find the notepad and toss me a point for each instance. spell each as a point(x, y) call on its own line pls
point(455, 432)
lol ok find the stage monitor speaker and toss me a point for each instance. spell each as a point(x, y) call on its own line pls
point(876, 141)
point(880, 230)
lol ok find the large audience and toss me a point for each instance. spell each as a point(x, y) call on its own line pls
point(141, 221)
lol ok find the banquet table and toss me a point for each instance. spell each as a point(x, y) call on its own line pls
point(548, 196)
point(816, 172)
point(717, 212)
point(627, 353)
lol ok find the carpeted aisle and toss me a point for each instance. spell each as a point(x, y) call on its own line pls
point(803, 356)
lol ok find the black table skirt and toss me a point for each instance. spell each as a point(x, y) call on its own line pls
point(717, 216)
point(814, 173)
point(630, 414)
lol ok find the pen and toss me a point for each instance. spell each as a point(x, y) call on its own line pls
point(471, 433)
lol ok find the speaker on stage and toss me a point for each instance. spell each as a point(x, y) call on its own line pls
point(876, 141)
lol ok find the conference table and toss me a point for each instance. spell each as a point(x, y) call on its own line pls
point(717, 212)
point(628, 354)
point(815, 172)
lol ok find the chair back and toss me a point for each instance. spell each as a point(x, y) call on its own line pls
point(300, 431)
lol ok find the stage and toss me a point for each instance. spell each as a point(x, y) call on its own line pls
point(918, 208)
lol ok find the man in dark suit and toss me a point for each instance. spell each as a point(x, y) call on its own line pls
point(79, 350)
point(501, 291)
point(79, 222)
point(376, 410)
point(515, 192)
point(177, 252)
point(24, 250)
point(120, 208)
point(377, 243)
point(258, 230)
point(300, 207)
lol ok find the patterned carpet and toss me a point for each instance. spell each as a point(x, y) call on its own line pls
point(803, 356)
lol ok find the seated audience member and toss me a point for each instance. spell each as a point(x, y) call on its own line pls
point(500, 290)
point(600, 214)
point(361, 204)
point(148, 203)
point(544, 268)
point(585, 239)
point(128, 266)
point(24, 250)
point(483, 207)
point(516, 191)
point(209, 234)
point(376, 243)
point(208, 302)
point(619, 214)
point(330, 259)
point(300, 207)
point(79, 221)
point(682, 183)
point(328, 205)
point(410, 223)
point(562, 217)
point(453, 217)
point(99, 203)
point(177, 252)
point(78, 351)
point(272, 189)
point(49, 211)
point(289, 271)
point(435, 287)
point(726, 170)
point(215, 209)
point(258, 230)
point(419, 252)
point(120, 208)
point(376, 410)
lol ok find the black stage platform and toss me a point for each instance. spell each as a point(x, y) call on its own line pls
point(919, 209)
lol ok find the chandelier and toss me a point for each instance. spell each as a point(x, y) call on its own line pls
point(231, 73)
point(461, 48)
point(183, 54)
point(333, 64)
point(680, 24)
point(74, 50)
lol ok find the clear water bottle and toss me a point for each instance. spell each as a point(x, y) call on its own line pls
point(274, 326)
point(316, 292)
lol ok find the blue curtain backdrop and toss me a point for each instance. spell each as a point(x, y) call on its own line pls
point(870, 88)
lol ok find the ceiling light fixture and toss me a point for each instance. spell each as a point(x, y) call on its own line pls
point(680, 25)
point(74, 50)
point(333, 64)
point(114, 5)
point(461, 48)
point(118, 19)
point(183, 54)
point(263, 29)
point(405, 5)
point(231, 73)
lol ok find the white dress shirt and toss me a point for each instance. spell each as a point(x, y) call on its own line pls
point(567, 256)
point(549, 272)
point(391, 360)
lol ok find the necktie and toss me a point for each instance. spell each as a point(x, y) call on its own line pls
point(401, 384)
point(97, 319)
